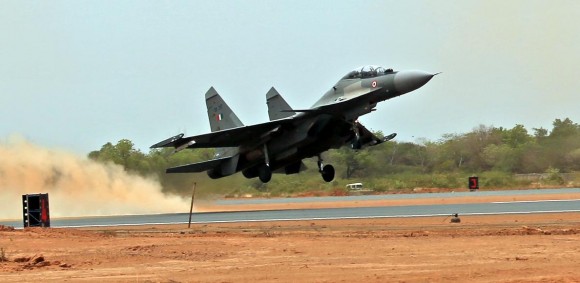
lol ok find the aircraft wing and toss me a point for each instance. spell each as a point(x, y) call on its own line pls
point(224, 138)
point(253, 133)
point(197, 167)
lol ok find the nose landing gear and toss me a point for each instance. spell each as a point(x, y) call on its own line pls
point(356, 144)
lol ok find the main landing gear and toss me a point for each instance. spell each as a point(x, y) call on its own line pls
point(264, 172)
point(327, 171)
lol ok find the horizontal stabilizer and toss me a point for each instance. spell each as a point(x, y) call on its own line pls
point(198, 167)
point(170, 142)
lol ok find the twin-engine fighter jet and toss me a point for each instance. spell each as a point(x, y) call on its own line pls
point(280, 145)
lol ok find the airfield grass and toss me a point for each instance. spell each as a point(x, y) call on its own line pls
point(309, 184)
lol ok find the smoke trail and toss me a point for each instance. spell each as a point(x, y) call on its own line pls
point(77, 186)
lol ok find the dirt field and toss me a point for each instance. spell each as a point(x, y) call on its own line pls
point(512, 248)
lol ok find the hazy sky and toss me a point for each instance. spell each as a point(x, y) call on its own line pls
point(78, 74)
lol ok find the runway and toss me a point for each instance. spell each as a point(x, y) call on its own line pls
point(403, 196)
point(493, 208)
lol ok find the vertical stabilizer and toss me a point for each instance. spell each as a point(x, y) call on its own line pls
point(220, 115)
point(278, 108)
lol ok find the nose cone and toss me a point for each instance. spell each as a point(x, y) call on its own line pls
point(406, 81)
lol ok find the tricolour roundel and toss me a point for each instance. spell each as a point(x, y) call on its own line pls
point(374, 84)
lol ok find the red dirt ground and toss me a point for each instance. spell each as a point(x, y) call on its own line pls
point(506, 248)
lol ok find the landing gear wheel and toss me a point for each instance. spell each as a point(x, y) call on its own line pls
point(265, 174)
point(327, 173)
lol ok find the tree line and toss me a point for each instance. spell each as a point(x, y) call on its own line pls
point(495, 151)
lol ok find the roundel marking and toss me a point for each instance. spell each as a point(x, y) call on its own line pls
point(374, 84)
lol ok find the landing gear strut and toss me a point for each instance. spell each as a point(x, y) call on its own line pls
point(327, 171)
point(264, 172)
point(356, 144)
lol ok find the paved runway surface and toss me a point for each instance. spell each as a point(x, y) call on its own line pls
point(403, 196)
point(544, 206)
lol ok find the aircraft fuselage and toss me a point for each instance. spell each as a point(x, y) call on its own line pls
point(293, 135)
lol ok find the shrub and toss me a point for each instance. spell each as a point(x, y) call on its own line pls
point(3, 255)
point(554, 177)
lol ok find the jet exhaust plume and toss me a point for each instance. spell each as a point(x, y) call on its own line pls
point(77, 186)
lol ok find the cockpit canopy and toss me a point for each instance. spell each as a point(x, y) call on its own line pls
point(365, 72)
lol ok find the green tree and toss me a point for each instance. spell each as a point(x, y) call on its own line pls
point(355, 162)
point(562, 140)
point(517, 136)
point(501, 157)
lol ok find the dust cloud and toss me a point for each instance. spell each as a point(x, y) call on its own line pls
point(77, 186)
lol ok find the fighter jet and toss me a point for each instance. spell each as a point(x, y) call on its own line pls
point(291, 135)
